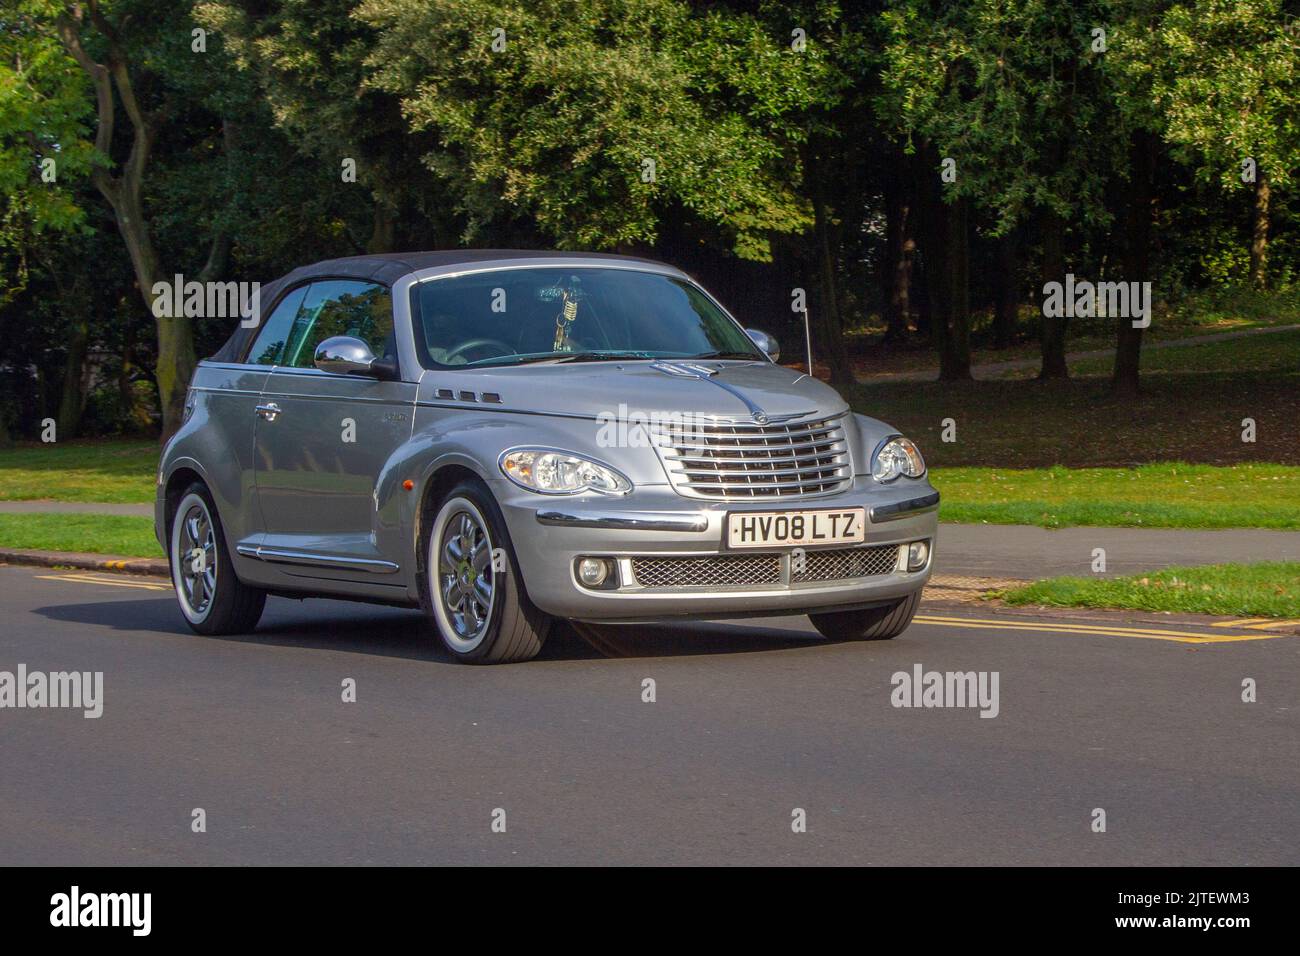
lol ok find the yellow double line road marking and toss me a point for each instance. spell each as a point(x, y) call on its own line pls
point(116, 581)
point(1099, 630)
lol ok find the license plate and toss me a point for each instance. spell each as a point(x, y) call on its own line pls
point(795, 529)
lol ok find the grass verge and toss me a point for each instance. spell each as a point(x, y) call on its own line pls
point(114, 470)
point(96, 534)
point(1266, 589)
point(1165, 495)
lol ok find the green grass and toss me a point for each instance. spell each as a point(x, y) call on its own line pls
point(1168, 495)
point(96, 534)
point(109, 470)
point(1267, 589)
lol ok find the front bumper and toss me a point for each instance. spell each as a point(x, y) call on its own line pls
point(550, 533)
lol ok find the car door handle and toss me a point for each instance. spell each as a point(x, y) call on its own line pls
point(268, 411)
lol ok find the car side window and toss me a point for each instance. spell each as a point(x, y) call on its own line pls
point(332, 307)
point(269, 344)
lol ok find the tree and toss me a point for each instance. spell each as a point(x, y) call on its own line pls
point(115, 80)
point(1225, 79)
point(593, 120)
point(309, 60)
point(173, 129)
point(1009, 97)
point(43, 151)
point(43, 154)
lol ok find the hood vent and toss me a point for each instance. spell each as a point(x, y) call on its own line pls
point(489, 398)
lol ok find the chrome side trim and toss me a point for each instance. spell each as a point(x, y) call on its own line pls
point(625, 522)
point(905, 508)
point(307, 558)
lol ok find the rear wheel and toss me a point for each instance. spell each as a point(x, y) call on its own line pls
point(873, 624)
point(212, 598)
point(477, 604)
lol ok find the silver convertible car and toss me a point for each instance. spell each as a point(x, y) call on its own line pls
point(504, 438)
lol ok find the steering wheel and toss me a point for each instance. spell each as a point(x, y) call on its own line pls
point(503, 349)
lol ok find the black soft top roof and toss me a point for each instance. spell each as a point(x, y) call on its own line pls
point(388, 268)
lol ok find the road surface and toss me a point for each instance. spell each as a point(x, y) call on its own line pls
point(751, 723)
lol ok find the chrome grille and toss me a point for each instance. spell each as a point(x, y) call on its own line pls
point(738, 460)
point(714, 571)
point(842, 563)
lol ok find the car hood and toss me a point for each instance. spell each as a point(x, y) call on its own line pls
point(728, 390)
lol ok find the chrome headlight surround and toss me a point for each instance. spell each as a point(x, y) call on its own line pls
point(554, 471)
point(896, 457)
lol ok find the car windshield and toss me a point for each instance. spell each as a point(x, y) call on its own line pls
point(518, 316)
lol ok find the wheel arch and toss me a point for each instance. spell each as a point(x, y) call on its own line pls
point(182, 475)
point(441, 479)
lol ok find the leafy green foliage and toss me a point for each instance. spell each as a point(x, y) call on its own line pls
point(561, 124)
point(1015, 93)
point(45, 109)
point(1225, 75)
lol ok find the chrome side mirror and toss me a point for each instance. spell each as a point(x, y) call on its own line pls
point(345, 355)
point(765, 342)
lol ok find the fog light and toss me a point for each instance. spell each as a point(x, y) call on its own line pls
point(918, 552)
point(593, 571)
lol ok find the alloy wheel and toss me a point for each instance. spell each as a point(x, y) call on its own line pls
point(196, 560)
point(465, 577)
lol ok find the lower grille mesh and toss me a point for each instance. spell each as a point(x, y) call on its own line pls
point(716, 571)
point(750, 570)
point(844, 563)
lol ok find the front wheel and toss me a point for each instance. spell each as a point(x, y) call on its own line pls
point(470, 583)
point(873, 624)
point(212, 598)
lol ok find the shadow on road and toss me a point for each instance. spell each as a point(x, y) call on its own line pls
point(394, 632)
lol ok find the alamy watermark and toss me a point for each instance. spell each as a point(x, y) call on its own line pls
point(210, 300)
point(77, 690)
point(635, 428)
point(922, 688)
point(75, 908)
point(1083, 299)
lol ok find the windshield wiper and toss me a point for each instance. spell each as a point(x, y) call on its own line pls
point(601, 356)
point(723, 355)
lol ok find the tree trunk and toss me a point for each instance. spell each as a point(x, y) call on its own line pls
point(829, 337)
point(896, 266)
point(945, 241)
point(123, 193)
point(954, 363)
point(919, 300)
point(1259, 233)
point(1053, 337)
point(383, 235)
point(73, 400)
point(1007, 308)
point(176, 358)
point(1137, 255)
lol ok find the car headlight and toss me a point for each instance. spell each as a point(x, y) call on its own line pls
point(896, 457)
point(551, 472)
